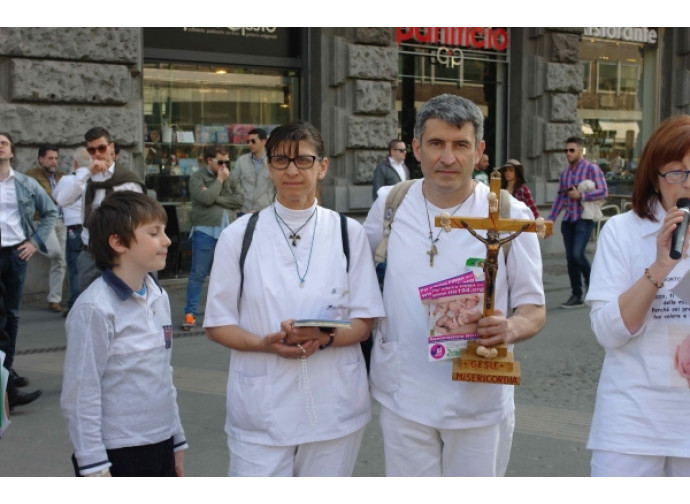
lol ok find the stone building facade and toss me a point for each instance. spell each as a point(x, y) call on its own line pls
point(55, 83)
point(357, 113)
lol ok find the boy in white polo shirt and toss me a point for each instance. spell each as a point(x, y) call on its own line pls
point(118, 395)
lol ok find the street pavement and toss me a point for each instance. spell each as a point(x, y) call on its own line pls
point(554, 404)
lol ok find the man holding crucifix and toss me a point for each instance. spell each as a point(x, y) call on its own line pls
point(432, 425)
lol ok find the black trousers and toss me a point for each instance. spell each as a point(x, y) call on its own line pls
point(148, 460)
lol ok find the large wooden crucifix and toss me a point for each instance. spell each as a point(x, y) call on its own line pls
point(494, 364)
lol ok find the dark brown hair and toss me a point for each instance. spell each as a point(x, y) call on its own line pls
point(213, 150)
point(292, 134)
point(7, 135)
point(120, 213)
point(669, 142)
point(96, 133)
point(519, 174)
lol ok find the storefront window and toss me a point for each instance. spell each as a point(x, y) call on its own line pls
point(614, 106)
point(188, 107)
point(468, 62)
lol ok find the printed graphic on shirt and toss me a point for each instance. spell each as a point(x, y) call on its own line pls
point(666, 347)
point(167, 334)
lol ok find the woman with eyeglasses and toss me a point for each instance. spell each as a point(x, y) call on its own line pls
point(513, 180)
point(297, 397)
point(640, 424)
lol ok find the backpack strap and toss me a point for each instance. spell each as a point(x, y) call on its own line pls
point(249, 234)
point(246, 242)
point(346, 240)
point(393, 200)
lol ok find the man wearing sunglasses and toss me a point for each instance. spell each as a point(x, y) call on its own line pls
point(392, 170)
point(91, 184)
point(251, 169)
point(216, 197)
point(576, 231)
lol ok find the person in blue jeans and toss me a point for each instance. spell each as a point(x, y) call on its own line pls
point(576, 231)
point(216, 197)
point(20, 238)
point(74, 218)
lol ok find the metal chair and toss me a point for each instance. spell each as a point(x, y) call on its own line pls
point(609, 211)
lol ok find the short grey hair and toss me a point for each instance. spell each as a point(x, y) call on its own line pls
point(451, 109)
point(81, 157)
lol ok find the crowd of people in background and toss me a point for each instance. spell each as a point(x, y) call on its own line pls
point(296, 294)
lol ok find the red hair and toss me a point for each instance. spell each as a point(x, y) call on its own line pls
point(669, 142)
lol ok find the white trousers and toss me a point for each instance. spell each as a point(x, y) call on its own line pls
point(335, 457)
point(606, 463)
point(55, 243)
point(413, 449)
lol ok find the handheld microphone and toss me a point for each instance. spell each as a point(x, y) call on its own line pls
point(678, 239)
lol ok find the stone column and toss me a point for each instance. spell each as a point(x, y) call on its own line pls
point(56, 83)
point(674, 82)
point(357, 109)
point(546, 81)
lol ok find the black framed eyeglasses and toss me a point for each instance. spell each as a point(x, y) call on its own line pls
point(222, 162)
point(100, 148)
point(569, 150)
point(301, 162)
point(675, 176)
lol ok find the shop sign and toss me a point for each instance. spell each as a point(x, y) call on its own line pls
point(265, 33)
point(447, 57)
point(627, 34)
point(260, 41)
point(495, 39)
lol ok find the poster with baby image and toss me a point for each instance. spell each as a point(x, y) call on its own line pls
point(450, 306)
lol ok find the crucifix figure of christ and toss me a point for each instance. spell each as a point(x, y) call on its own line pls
point(494, 224)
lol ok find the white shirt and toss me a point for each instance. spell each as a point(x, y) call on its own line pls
point(117, 388)
point(643, 402)
point(72, 213)
point(399, 168)
point(402, 378)
point(269, 401)
point(11, 231)
point(76, 189)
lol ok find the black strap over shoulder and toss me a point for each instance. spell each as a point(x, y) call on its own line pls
point(346, 240)
point(249, 234)
point(246, 242)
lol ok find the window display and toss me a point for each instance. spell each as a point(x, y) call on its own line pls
point(189, 106)
point(614, 106)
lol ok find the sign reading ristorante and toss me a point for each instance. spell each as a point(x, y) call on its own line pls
point(495, 39)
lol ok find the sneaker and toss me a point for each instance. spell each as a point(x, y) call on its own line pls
point(573, 302)
point(189, 322)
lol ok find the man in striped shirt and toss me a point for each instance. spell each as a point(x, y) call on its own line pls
point(576, 231)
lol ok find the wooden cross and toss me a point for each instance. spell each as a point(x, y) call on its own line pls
point(472, 365)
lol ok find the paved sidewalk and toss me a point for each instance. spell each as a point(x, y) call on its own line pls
point(551, 426)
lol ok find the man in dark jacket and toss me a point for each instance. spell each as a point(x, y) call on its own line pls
point(393, 169)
